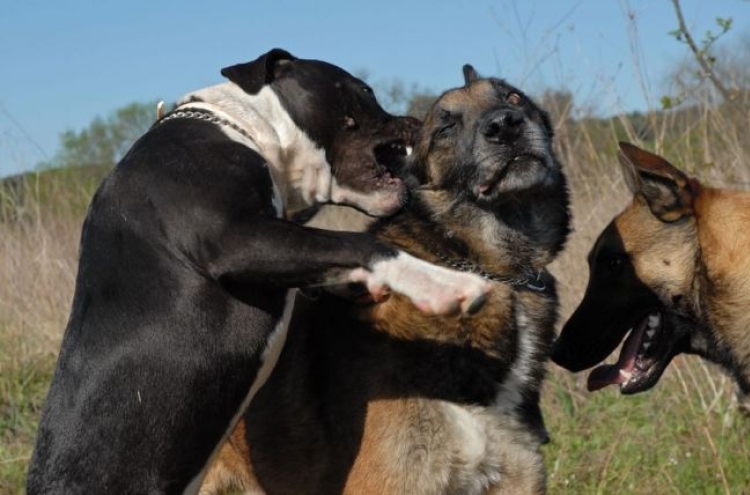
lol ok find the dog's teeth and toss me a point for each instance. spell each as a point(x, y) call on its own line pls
point(646, 345)
point(627, 375)
point(408, 150)
point(653, 320)
point(650, 333)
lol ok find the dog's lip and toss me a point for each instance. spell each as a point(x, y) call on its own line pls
point(642, 360)
point(486, 187)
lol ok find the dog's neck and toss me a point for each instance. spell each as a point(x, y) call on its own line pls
point(497, 241)
point(722, 217)
point(294, 160)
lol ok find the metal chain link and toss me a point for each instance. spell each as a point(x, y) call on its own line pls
point(533, 281)
point(205, 115)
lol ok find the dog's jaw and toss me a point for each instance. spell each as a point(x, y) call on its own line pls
point(383, 202)
point(518, 175)
point(645, 354)
point(505, 170)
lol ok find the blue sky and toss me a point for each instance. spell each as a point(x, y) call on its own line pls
point(64, 63)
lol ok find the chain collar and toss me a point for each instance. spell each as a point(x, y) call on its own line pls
point(206, 116)
point(535, 281)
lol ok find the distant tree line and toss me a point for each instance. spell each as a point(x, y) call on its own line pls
point(106, 140)
point(719, 76)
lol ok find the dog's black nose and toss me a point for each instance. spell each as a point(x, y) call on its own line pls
point(502, 125)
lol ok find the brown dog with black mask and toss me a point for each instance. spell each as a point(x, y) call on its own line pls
point(382, 398)
point(673, 270)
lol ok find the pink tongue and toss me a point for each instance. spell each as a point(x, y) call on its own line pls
point(609, 374)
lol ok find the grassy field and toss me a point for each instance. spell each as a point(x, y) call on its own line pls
point(684, 437)
point(40, 222)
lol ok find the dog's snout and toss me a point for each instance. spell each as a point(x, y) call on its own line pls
point(502, 125)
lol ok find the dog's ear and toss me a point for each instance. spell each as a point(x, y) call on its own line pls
point(470, 75)
point(669, 192)
point(252, 76)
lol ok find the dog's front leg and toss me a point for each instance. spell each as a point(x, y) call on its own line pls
point(278, 253)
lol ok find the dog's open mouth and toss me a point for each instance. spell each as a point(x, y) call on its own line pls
point(375, 187)
point(643, 358)
point(389, 157)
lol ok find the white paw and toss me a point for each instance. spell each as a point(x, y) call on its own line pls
point(431, 288)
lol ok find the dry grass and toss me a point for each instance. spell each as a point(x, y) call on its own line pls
point(40, 219)
point(683, 437)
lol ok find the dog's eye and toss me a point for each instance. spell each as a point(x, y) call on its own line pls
point(368, 91)
point(446, 129)
point(349, 123)
point(514, 99)
point(448, 124)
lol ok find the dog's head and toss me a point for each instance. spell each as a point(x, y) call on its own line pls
point(339, 113)
point(488, 145)
point(486, 139)
point(642, 268)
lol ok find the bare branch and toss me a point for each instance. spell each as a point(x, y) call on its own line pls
point(700, 55)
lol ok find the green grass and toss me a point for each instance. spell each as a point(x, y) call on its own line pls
point(23, 386)
point(40, 217)
point(663, 441)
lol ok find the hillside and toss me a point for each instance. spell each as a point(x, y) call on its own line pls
point(57, 191)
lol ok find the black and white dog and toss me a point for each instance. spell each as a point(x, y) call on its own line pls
point(188, 267)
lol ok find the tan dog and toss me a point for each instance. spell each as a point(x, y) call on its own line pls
point(383, 399)
point(675, 268)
